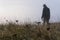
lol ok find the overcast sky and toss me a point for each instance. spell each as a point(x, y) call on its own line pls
point(30, 10)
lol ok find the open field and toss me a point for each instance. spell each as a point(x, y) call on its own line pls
point(14, 31)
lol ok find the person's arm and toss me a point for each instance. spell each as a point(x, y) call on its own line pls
point(49, 13)
point(42, 13)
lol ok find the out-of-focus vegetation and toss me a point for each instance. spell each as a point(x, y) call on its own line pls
point(14, 31)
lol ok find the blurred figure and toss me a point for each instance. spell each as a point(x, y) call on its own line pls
point(46, 14)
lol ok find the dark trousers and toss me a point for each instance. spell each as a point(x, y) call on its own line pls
point(46, 21)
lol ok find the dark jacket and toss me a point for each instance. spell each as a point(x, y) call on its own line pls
point(46, 13)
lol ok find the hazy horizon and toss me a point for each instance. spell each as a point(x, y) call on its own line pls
point(28, 10)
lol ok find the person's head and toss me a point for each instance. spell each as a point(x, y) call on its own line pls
point(44, 5)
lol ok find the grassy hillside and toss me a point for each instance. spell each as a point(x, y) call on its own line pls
point(14, 31)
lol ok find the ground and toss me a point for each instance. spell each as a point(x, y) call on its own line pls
point(14, 31)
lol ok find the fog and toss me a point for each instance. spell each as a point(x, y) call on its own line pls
point(28, 10)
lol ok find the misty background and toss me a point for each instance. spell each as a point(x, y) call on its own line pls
point(28, 10)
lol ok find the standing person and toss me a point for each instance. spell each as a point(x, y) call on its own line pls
point(46, 14)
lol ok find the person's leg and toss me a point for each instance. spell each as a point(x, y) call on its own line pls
point(48, 24)
point(47, 21)
point(44, 22)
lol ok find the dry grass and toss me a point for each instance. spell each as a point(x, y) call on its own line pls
point(14, 31)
